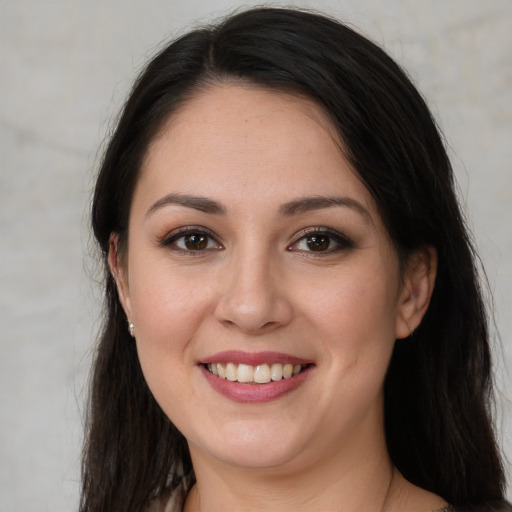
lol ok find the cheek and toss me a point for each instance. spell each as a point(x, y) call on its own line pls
point(162, 293)
point(168, 313)
point(353, 303)
point(353, 318)
point(168, 309)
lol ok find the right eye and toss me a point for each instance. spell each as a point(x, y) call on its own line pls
point(191, 241)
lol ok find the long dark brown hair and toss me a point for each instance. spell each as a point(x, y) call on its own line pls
point(438, 388)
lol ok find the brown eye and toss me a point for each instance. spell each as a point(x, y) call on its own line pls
point(191, 241)
point(318, 242)
point(195, 242)
point(322, 241)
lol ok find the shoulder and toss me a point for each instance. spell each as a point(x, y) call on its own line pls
point(171, 502)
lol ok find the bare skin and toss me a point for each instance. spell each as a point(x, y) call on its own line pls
point(387, 492)
point(250, 232)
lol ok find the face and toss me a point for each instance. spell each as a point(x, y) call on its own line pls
point(263, 286)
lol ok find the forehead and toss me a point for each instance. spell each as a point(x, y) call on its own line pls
point(234, 141)
point(213, 111)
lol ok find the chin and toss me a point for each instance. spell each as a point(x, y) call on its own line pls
point(252, 444)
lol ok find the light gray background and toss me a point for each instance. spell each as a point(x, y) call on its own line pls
point(65, 68)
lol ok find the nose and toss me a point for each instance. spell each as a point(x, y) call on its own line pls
point(254, 299)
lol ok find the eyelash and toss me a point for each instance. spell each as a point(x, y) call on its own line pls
point(172, 239)
point(341, 241)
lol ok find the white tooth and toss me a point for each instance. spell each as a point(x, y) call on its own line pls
point(213, 368)
point(277, 371)
point(287, 370)
point(245, 373)
point(296, 369)
point(262, 374)
point(231, 372)
point(221, 371)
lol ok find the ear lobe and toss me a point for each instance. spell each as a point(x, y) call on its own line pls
point(417, 289)
point(119, 273)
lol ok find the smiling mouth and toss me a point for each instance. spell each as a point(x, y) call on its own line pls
point(260, 374)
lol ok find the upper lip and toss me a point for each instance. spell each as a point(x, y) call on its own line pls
point(253, 358)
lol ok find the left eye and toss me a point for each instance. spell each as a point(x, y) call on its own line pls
point(321, 242)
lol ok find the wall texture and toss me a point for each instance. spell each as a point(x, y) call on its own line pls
point(65, 68)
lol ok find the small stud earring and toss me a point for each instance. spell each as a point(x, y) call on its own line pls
point(130, 328)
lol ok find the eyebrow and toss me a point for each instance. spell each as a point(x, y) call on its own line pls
point(307, 204)
point(295, 207)
point(203, 204)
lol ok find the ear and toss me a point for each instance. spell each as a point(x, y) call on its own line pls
point(417, 289)
point(119, 272)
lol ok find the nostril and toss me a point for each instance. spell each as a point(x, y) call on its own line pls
point(253, 303)
point(249, 327)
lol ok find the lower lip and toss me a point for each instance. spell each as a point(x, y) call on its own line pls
point(255, 393)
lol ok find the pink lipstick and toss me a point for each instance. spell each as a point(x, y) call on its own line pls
point(246, 377)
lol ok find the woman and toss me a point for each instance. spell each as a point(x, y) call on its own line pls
point(294, 319)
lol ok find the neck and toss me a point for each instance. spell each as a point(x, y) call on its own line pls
point(354, 479)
